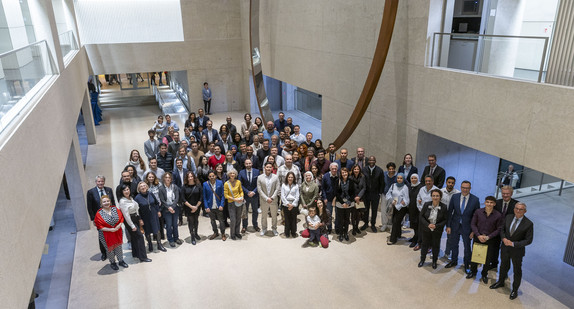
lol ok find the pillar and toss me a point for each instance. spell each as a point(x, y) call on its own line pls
point(77, 185)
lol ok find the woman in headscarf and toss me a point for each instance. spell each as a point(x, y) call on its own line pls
point(308, 193)
point(414, 212)
point(399, 195)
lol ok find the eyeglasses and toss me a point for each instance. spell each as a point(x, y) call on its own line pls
point(520, 209)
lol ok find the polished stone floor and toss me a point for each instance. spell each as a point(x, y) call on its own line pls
point(264, 272)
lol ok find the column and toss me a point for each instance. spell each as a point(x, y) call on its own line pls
point(77, 185)
point(560, 63)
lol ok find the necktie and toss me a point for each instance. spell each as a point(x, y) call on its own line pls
point(504, 208)
point(249, 176)
point(431, 171)
point(513, 228)
point(463, 205)
point(101, 193)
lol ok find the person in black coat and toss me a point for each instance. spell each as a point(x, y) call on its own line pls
point(432, 220)
point(438, 173)
point(93, 202)
point(191, 194)
point(517, 233)
point(345, 196)
point(375, 180)
point(505, 206)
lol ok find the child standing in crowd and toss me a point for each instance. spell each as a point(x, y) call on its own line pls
point(314, 222)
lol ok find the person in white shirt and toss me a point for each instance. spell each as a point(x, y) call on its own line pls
point(447, 192)
point(398, 195)
point(297, 136)
point(279, 160)
point(313, 222)
point(288, 167)
point(130, 210)
point(290, 202)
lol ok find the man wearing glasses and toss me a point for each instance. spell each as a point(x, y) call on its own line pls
point(516, 234)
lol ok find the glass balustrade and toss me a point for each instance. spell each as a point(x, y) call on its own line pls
point(68, 43)
point(518, 57)
point(22, 72)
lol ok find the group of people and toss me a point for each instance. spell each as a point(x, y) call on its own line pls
point(273, 170)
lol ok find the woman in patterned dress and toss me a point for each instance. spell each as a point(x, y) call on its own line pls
point(109, 221)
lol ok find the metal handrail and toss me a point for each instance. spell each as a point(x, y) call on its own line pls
point(544, 52)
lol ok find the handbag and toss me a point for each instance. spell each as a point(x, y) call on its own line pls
point(237, 204)
point(360, 205)
point(479, 253)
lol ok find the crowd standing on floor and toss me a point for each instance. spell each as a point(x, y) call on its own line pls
point(239, 173)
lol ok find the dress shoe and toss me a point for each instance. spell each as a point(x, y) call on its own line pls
point(223, 237)
point(421, 263)
point(513, 294)
point(417, 248)
point(412, 245)
point(411, 239)
point(160, 247)
point(197, 237)
point(257, 229)
point(123, 264)
point(340, 237)
point(146, 260)
point(243, 231)
point(374, 229)
point(346, 237)
point(233, 237)
point(434, 265)
point(172, 244)
point(354, 232)
point(364, 227)
point(470, 275)
point(239, 236)
point(179, 241)
point(213, 236)
point(451, 264)
point(294, 235)
point(484, 279)
point(193, 241)
point(114, 266)
point(497, 284)
point(104, 256)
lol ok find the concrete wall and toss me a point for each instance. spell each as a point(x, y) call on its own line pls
point(33, 158)
point(327, 47)
point(211, 52)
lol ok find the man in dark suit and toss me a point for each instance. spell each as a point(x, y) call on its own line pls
point(460, 211)
point(210, 132)
point(517, 233)
point(251, 156)
point(438, 173)
point(505, 206)
point(93, 200)
point(201, 120)
point(248, 179)
point(375, 179)
point(328, 191)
